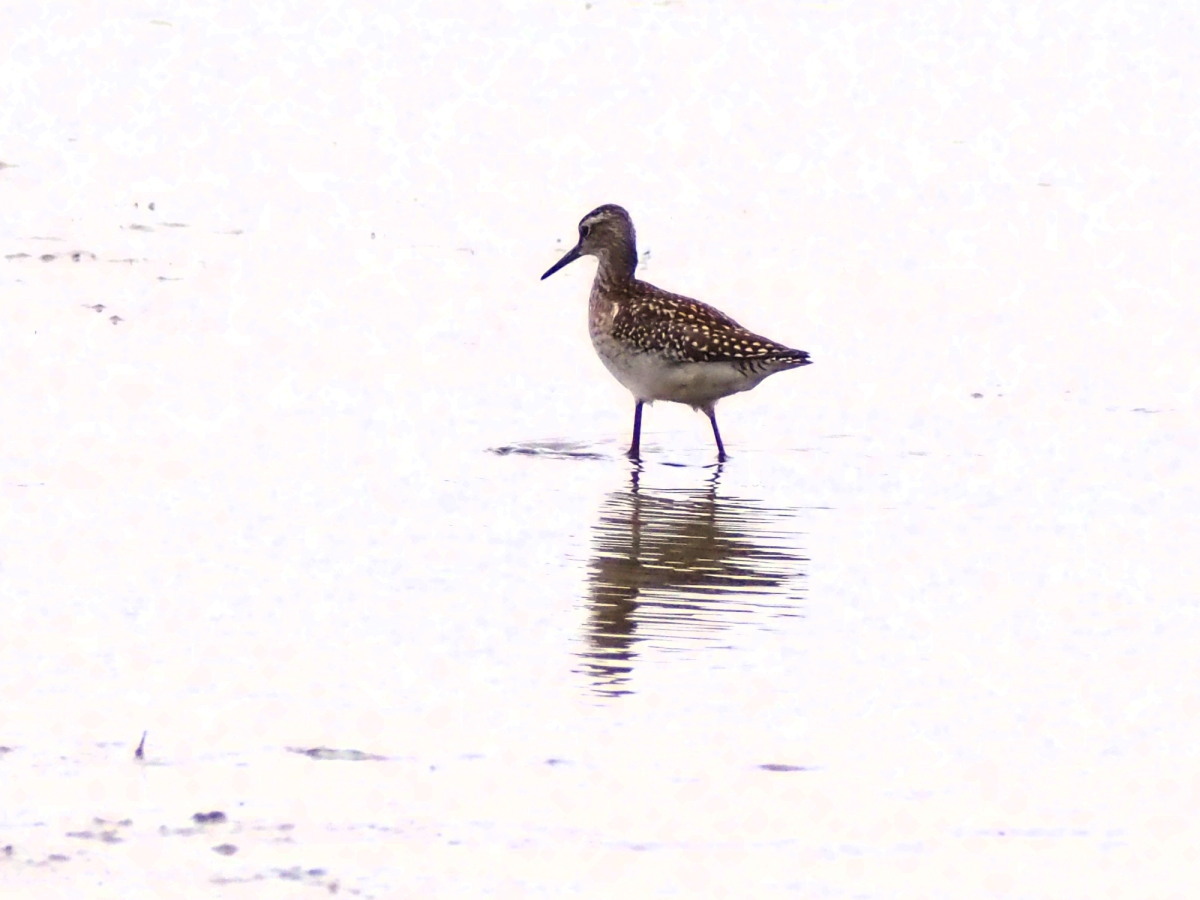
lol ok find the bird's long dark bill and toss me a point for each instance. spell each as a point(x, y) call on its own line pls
point(572, 255)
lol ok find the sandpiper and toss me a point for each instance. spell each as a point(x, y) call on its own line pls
point(664, 346)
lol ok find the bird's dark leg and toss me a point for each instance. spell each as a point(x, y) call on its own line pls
point(712, 417)
point(635, 446)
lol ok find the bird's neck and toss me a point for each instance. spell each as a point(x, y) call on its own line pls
point(617, 264)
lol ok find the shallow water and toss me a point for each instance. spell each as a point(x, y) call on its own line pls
point(336, 507)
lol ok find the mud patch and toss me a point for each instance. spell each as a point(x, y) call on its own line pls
point(330, 753)
point(549, 450)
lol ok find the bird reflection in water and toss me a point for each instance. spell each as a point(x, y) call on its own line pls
point(677, 566)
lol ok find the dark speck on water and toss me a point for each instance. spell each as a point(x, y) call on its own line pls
point(782, 767)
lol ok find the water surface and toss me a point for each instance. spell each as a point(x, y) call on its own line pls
point(309, 477)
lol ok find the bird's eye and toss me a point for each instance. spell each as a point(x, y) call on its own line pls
point(583, 230)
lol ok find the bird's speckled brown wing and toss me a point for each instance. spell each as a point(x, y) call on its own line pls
point(687, 330)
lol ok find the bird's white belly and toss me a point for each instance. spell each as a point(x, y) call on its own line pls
point(649, 377)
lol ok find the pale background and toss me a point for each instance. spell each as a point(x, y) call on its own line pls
point(261, 510)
